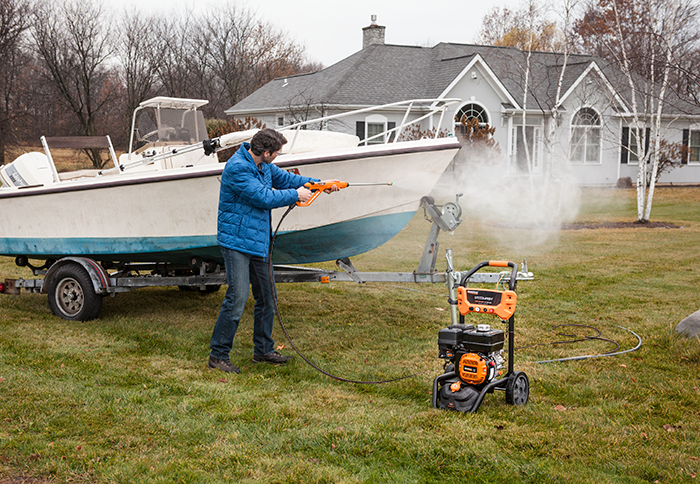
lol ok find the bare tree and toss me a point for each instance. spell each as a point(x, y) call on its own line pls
point(13, 23)
point(174, 47)
point(244, 53)
point(140, 52)
point(540, 80)
point(643, 38)
point(525, 29)
point(72, 40)
point(78, 63)
point(184, 69)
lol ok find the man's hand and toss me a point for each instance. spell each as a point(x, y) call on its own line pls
point(304, 194)
point(333, 188)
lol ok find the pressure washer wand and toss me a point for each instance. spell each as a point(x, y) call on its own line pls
point(317, 188)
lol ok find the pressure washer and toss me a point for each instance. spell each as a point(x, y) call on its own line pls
point(474, 355)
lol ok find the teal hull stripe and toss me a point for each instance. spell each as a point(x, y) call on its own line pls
point(324, 243)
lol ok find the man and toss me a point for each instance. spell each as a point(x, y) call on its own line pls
point(250, 187)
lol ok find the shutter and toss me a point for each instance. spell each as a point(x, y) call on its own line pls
point(360, 130)
point(624, 152)
point(686, 139)
point(646, 144)
point(391, 125)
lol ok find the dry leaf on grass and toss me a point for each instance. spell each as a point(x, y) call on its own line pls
point(560, 408)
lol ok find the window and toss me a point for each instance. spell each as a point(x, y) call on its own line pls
point(585, 137)
point(375, 127)
point(373, 130)
point(533, 137)
point(634, 147)
point(280, 120)
point(630, 146)
point(472, 110)
point(468, 112)
point(693, 146)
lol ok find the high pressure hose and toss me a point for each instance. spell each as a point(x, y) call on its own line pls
point(601, 355)
point(576, 339)
point(284, 329)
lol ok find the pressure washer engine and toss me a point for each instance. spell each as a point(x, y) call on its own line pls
point(474, 354)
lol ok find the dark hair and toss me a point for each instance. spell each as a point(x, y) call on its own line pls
point(267, 140)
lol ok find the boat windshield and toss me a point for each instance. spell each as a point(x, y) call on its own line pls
point(167, 125)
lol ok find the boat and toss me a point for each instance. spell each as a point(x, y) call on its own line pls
point(159, 202)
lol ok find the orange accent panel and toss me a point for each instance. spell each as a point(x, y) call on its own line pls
point(504, 309)
point(472, 369)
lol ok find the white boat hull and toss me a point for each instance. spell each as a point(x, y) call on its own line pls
point(170, 216)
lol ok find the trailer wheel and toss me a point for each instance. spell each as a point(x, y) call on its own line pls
point(517, 389)
point(72, 295)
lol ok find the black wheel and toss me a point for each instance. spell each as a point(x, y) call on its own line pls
point(72, 295)
point(517, 389)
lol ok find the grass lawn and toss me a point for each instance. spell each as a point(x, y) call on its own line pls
point(127, 398)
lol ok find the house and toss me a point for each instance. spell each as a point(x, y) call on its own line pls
point(587, 132)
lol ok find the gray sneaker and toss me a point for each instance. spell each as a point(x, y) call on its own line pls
point(273, 357)
point(223, 365)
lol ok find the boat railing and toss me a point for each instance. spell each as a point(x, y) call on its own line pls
point(434, 106)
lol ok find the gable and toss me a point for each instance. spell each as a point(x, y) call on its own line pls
point(477, 64)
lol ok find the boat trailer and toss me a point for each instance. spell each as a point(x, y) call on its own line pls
point(75, 285)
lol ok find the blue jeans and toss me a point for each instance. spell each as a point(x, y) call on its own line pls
point(242, 271)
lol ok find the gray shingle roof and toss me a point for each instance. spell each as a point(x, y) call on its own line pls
point(383, 73)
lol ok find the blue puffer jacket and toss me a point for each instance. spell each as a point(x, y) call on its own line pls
point(246, 198)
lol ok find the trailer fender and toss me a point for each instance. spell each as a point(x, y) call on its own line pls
point(98, 276)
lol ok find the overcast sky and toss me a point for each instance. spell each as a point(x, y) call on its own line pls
point(332, 30)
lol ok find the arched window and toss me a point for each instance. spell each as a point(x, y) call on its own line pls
point(585, 136)
point(468, 112)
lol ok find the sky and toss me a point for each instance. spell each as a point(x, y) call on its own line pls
point(332, 30)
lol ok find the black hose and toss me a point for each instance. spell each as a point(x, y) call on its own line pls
point(601, 355)
point(576, 339)
point(284, 329)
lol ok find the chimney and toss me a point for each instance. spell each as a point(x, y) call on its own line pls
point(374, 34)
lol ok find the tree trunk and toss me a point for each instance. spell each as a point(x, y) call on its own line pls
point(3, 138)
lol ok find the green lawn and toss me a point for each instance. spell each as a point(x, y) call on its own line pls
point(127, 398)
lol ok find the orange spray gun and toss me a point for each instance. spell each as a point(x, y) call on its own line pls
point(317, 188)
